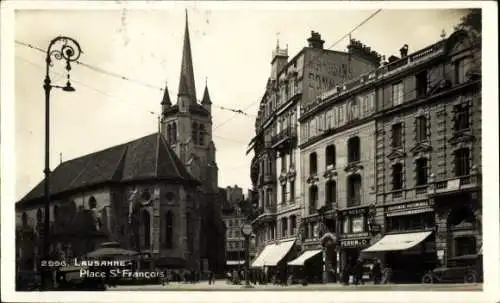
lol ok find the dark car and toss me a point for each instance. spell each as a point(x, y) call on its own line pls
point(70, 278)
point(465, 269)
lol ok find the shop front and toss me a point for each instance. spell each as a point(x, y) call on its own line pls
point(408, 247)
point(271, 264)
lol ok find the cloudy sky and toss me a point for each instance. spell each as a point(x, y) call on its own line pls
point(231, 48)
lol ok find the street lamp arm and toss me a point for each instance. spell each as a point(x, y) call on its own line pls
point(70, 50)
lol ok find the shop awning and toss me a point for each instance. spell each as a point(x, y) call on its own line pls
point(273, 254)
point(259, 261)
point(278, 253)
point(398, 242)
point(304, 257)
point(235, 262)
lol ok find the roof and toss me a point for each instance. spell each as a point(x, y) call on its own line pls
point(186, 84)
point(206, 97)
point(145, 158)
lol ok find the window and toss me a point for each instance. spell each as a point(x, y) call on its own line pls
point(460, 68)
point(201, 135)
point(421, 165)
point(169, 134)
point(293, 225)
point(411, 222)
point(39, 217)
point(397, 93)
point(465, 246)
point(284, 227)
point(283, 194)
point(461, 117)
point(421, 128)
point(194, 133)
point(353, 190)
point(24, 219)
point(269, 165)
point(92, 203)
point(313, 164)
point(397, 135)
point(422, 83)
point(346, 225)
point(146, 223)
point(313, 199)
point(353, 149)
point(292, 191)
point(283, 162)
point(169, 230)
point(358, 224)
point(462, 166)
point(174, 132)
point(189, 227)
point(269, 197)
point(397, 176)
point(331, 192)
point(56, 212)
point(330, 156)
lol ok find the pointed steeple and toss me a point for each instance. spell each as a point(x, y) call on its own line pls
point(206, 97)
point(186, 79)
point(166, 97)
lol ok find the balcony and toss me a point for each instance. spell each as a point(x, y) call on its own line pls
point(449, 186)
point(407, 194)
point(284, 139)
point(266, 214)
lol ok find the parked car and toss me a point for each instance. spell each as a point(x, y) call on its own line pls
point(70, 278)
point(466, 269)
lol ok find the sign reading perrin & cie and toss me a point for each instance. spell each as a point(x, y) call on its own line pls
point(353, 243)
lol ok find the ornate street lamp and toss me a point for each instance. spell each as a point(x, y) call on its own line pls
point(246, 230)
point(67, 49)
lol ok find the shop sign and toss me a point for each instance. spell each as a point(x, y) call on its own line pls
point(354, 243)
point(355, 235)
point(357, 224)
point(355, 212)
point(408, 207)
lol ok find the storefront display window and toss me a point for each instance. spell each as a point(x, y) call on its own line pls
point(411, 222)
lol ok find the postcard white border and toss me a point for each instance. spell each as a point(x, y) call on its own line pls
point(491, 216)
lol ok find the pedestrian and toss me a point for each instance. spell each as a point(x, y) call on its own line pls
point(387, 276)
point(358, 272)
point(376, 272)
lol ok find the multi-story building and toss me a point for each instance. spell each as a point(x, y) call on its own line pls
point(275, 171)
point(234, 194)
point(392, 159)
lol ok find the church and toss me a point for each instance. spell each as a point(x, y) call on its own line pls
point(156, 195)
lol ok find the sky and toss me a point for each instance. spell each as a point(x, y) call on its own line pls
point(231, 50)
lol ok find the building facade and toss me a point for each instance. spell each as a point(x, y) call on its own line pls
point(395, 155)
point(276, 168)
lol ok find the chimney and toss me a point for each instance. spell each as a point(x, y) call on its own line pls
point(404, 51)
point(315, 40)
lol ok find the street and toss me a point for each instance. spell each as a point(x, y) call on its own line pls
point(221, 285)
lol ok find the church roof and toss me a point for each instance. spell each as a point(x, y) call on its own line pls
point(186, 79)
point(146, 158)
point(166, 97)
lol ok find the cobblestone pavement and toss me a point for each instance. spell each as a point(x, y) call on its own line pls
point(221, 285)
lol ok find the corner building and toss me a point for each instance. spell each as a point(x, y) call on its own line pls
point(276, 167)
point(391, 162)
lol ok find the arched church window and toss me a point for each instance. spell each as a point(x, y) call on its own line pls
point(24, 219)
point(169, 133)
point(174, 132)
point(202, 134)
point(146, 222)
point(169, 230)
point(194, 133)
point(92, 203)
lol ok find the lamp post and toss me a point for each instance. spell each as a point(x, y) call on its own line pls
point(246, 230)
point(60, 48)
point(321, 212)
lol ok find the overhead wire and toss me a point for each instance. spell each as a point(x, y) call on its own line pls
point(112, 97)
point(125, 78)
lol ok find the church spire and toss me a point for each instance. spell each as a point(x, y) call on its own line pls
point(206, 96)
point(166, 97)
point(186, 79)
